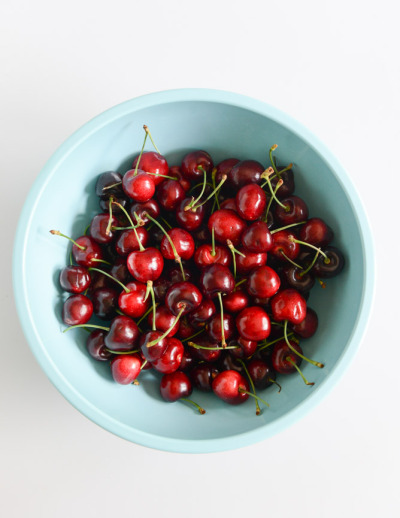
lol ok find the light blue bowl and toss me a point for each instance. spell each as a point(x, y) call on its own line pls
point(225, 124)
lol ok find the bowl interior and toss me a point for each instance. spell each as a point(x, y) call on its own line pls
point(64, 199)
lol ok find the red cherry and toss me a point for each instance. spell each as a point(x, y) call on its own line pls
point(191, 162)
point(74, 279)
point(133, 303)
point(216, 279)
point(170, 193)
point(176, 172)
point(224, 168)
point(287, 187)
point(123, 334)
point(96, 347)
point(171, 359)
point(164, 320)
point(207, 350)
point(202, 376)
point(250, 261)
point(229, 204)
point(87, 252)
point(183, 294)
point(125, 368)
point(262, 373)
point(214, 327)
point(263, 282)
point(188, 219)
point(119, 271)
point(245, 172)
point(295, 211)
point(203, 255)
point(77, 309)
point(185, 329)
point(175, 386)
point(154, 352)
point(308, 327)
point(281, 355)
point(227, 225)
point(127, 241)
point(150, 207)
point(183, 242)
point(235, 301)
point(253, 324)
point(105, 302)
point(257, 238)
point(227, 386)
point(289, 305)
point(283, 244)
point(202, 314)
point(316, 232)
point(98, 228)
point(251, 202)
point(152, 162)
point(140, 186)
point(146, 265)
point(245, 348)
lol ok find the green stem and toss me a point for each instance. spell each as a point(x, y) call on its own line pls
point(163, 176)
point(110, 201)
point(101, 261)
point(164, 335)
point(267, 344)
point(58, 233)
point(193, 336)
point(290, 360)
point(86, 325)
point(278, 185)
point(287, 226)
point(272, 160)
point(123, 352)
point(110, 277)
point(223, 342)
point(144, 316)
point(146, 129)
point(294, 240)
point(213, 174)
point(215, 191)
point(154, 306)
point(140, 155)
point(213, 252)
point(290, 260)
point(196, 346)
point(266, 174)
point(302, 273)
point(111, 186)
point(316, 364)
point(193, 202)
point(240, 282)
point(241, 390)
point(166, 223)
point(258, 410)
point(199, 408)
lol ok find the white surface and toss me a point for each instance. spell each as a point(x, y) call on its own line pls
point(332, 65)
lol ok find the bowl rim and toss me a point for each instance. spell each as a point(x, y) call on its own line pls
point(85, 406)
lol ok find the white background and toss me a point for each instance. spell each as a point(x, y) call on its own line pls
point(334, 66)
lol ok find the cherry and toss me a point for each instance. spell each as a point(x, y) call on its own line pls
point(248, 261)
point(104, 302)
point(85, 250)
point(100, 228)
point(123, 334)
point(125, 368)
point(227, 225)
point(330, 266)
point(284, 247)
point(185, 330)
point(284, 360)
point(316, 232)
point(187, 362)
point(154, 352)
point(77, 310)
point(201, 234)
point(127, 240)
point(175, 386)
point(104, 203)
point(138, 185)
point(235, 301)
point(202, 376)
point(244, 348)
point(183, 295)
point(262, 373)
point(188, 219)
point(109, 184)
point(308, 327)
point(204, 256)
point(294, 211)
point(141, 210)
point(253, 324)
point(170, 193)
point(96, 347)
point(194, 163)
point(216, 279)
point(133, 302)
point(120, 271)
point(175, 274)
point(145, 265)
point(154, 163)
point(171, 359)
point(164, 319)
point(176, 172)
point(74, 279)
point(214, 327)
point(226, 385)
point(161, 286)
point(295, 278)
point(251, 201)
point(183, 241)
point(289, 305)
point(257, 238)
point(229, 204)
point(245, 172)
point(202, 314)
point(98, 280)
point(228, 362)
point(263, 282)
point(225, 167)
point(206, 349)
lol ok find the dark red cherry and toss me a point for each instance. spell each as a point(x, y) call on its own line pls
point(227, 386)
point(247, 171)
point(98, 228)
point(316, 232)
point(289, 305)
point(77, 309)
point(170, 361)
point(154, 352)
point(294, 279)
point(201, 234)
point(175, 171)
point(203, 255)
point(96, 347)
point(140, 186)
point(74, 279)
point(191, 162)
point(281, 355)
point(215, 279)
point(283, 243)
point(227, 225)
point(183, 241)
point(146, 265)
point(214, 327)
point(144, 209)
point(235, 301)
point(120, 271)
point(228, 362)
point(253, 324)
point(263, 282)
point(127, 241)
point(133, 303)
point(175, 274)
point(251, 202)
point(104, 204)
point(164, 320)
point(88, 253)
point(188, 219)
point(244, 348)
point(261, 372)
point(229, 204)
point(185, 329)
point(327, 268)
point(183, 295)
point(225, 167)
point(257, 238)
point(211, 351)
point(175, 385)
point(188, 362)
point(106, 184)
point(125, 368)
point(123, 334)
point(287, 187)
point(161, 286)
point(202, 314)
point(308, 327)
point(170, 193)
point(105, 303)
point(152, 162)
point(202, 376)
point(98, 280)
point(295, 211)
point(250, 261)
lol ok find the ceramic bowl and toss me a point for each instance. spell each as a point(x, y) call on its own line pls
point(225, 124)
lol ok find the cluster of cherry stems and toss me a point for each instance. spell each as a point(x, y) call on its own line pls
point(177, 262)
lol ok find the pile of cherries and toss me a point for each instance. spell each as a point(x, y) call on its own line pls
point(202, 274)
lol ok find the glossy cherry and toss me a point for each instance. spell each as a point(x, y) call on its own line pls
point(171, 359)
point(284, 246)
point(96, 346)
point(154, 163)
point(308, 327)
point(251, 202)
point(245, 172)
point(123, 334)
point(105, 302)
point(120, 271)
point(282, 353)
point(330, 267)
point(214, 327)
point(316, 232)
point(257, 238)
point(244, 348)
point(194, 163)
point(175, 385)
point(141, 210)
point(294, 278)
point(175, 171)
point(88, 252)
point(125, 368)
point(183, 295)
point(188, 219)
point(229, 204)
point(164, 320)
point(99, 228)
point(74, 279)
point(127, 241)
point(109, 184)
point(225, 167)
point(263, 282)
point(138, 185)
point(253, 323)
point(203, 255)
point(215, 279)
point(154, 352)
point(170, 193)
point(202, 314)
point(145, 265)
point(77, 309)
point(262, 373)
point(288, 185)
point(235, 301)
point(289, 305)
point(202, 376)
point(183, 241)
point(133, 303)
point(250, 261)
point(205, 349)
point(227, 225)
point(228, 386)
point(294, 211)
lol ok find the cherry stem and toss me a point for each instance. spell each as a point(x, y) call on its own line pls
point(234, 252)
point(196, 346)
point(311, 264)
point(95, 260)
point(109, 276)
point(86, 229)
point(267, 344)
point(177, 258)
point(242, 391)
point(290, 260)
point(258, 410)
point(86, 325)
point(266, 174)
point(58, 233)
point(278, 185)
point(194, 335)
point(276, 383)
point(283, 170)
point(143, 364)
point(163, 176)
point(291, 361)
point(166, 223)
point(322, 283)
point(240, 282)
point(146, 129)
point(213, 252)
point(145, 315)
point(223, 342)
point(317, 364)
point(214, 192)
point(199, 185)
point(199, 408)
point(194, 201)
point(216, 201)
point(122, 352)
point(140, 155)
point(153, 304)
point(294, 240)
point(272, 160)
point(110, 202)
point(164, 335)
point(141, 247)
point(111, 186)
point(287, 226)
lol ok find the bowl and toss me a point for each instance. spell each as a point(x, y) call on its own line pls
point(62, 197)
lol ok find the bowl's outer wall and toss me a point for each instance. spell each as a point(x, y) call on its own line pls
point(63, 198)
